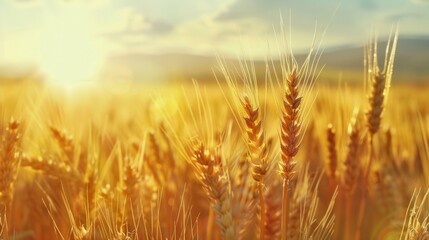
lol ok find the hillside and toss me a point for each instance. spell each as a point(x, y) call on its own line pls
point(412, 64)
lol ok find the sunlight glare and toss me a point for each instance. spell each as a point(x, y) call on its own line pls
point(69, 52)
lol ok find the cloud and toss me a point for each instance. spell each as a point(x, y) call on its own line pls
point(26, 3)
point(368, 4)
point(139, 23)
point(68, 3)
point(397, 17)
point(82, 1)
point(420, 1)
point(249, 9)
point(159, 25)
point(271, 9)
point(138, 28)
point(61, 1)
point(304, 15)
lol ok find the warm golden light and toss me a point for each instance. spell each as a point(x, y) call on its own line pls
point(69, 52)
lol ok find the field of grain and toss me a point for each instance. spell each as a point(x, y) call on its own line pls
point(283, 157)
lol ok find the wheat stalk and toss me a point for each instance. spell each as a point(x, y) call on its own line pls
point(244, 206)
point(216, 185)
point(153, 157)
point(380, 85)
point(332, 152)
point(351, 165)
point(351, 161)
point(289, 140)
point(258, 152)
point(9, 162)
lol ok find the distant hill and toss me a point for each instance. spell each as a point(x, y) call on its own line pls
point(412, 64)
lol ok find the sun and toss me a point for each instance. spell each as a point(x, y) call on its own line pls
point(70, 52)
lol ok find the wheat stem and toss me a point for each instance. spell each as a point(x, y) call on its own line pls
point(285, 209)
point(289, 141)
point(364, 190)
point(262, 206)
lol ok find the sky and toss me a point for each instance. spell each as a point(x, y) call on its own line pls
point(60, 35)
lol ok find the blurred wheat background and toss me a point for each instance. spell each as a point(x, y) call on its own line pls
point(147, 125)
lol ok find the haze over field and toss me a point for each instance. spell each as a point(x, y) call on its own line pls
point(412, 64)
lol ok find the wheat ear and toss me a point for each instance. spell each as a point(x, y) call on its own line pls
point(56, 169)
point(351, 162)
point(273, 213)
point(351, 169)
point(216, 185)
point(289, 141)
point(65, 141)
point(332, 152)
point(9, 162)
point(380, 85)
point(258, 151)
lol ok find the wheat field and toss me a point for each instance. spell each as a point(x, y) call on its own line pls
point(283, 157)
